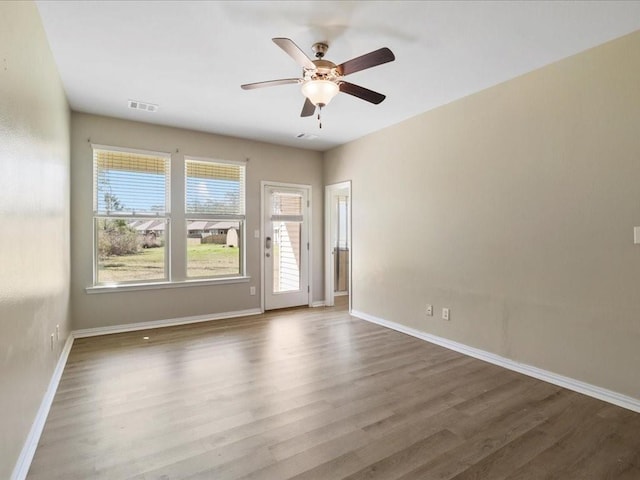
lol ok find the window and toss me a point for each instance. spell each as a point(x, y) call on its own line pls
point(131, 215)
point(215, 212)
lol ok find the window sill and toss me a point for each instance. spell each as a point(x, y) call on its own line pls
point(160, 285)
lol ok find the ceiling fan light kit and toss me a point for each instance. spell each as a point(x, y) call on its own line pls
point(322, 80)
point(320, 92)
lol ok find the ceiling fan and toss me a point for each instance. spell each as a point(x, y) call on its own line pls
point(322, 80)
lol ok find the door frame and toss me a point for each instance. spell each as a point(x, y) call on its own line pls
point(264, 184)
point(329, 193)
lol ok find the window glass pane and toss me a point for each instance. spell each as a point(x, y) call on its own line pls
point(213, 248)
point(130, 250)
point(130, 183)
point(214, 188)
point(286, 256)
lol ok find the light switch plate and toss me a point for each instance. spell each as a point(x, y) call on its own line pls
point(636, 235)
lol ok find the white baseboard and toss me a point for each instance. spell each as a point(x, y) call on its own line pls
point(169, 322)
point(340, 294)
point(31, 443)
point(317, 303)
point(554, 378)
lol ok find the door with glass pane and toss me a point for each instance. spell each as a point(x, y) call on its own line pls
point(285, 247)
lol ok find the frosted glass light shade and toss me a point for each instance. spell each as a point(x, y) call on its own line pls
point(320, 92)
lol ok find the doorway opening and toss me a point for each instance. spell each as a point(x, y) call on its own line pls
point(338, 243)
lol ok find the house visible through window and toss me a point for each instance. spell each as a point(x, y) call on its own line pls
point(131, 216)
point(215, 211)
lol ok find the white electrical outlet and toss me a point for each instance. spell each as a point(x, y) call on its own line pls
point(430, 310)
point(252, 290)
point(445, 314)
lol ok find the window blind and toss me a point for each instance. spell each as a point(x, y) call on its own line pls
point(128, 183)
point(285, 203)
point(214, 188)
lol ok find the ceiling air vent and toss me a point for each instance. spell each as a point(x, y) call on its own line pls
point(306, 136)
point(147, 107)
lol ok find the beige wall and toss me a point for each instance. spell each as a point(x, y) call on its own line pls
point(515, 208)
point(267, 162)
point(34, 222)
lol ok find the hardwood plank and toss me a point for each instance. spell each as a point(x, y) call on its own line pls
point(410, 458)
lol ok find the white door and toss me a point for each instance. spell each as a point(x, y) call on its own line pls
point(285, 246)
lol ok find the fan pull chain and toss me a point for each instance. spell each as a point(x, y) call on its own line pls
point(319, 119)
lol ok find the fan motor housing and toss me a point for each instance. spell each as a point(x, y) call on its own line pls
point(325, 70)
point(324, 66)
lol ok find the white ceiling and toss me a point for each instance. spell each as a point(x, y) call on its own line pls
point(190, 58)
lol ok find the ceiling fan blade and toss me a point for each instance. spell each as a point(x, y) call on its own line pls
point(361, 92)
point(294, 52)
point(308, 108)
point(269, 83)
point(368, 60)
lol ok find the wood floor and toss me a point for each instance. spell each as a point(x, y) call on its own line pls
point(316, 394)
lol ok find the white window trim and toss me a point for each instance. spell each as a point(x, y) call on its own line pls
point(128, 287)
